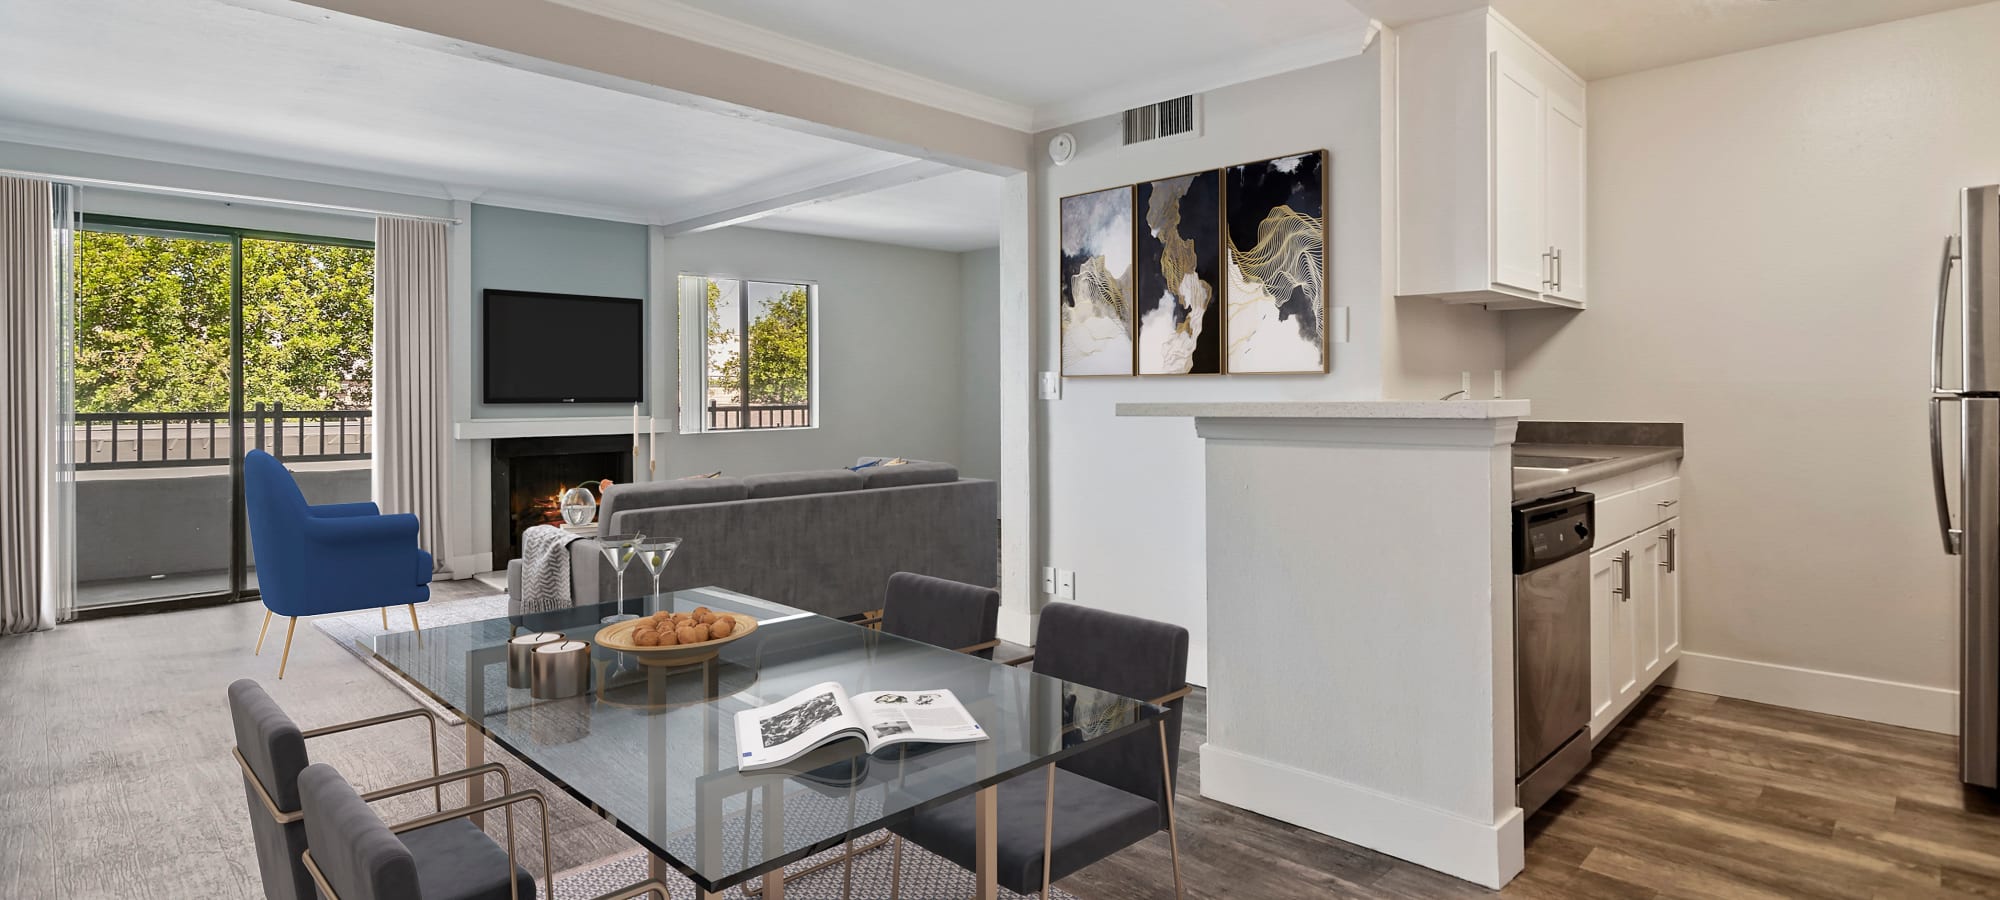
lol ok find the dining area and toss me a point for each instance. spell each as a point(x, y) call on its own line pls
point(1077, 761)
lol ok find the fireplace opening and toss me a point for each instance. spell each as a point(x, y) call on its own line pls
point(529, 474)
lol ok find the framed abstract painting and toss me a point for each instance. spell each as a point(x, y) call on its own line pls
point(1096, 285)
point(1274, 277)
point(1178, 308)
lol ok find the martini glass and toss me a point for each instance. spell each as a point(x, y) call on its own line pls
point(655, 552)
point(619, 549)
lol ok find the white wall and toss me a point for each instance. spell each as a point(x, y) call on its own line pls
point(1121, 499)
point(889, 339)
point(1764, 235)
point(979, 364)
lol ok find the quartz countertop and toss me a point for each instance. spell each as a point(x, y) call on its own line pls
point(1335, 409)
point(1617, 460)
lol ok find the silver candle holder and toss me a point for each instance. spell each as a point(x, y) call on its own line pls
point(520, 656)
point(561, 669)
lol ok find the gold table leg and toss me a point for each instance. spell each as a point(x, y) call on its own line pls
point(986, 843)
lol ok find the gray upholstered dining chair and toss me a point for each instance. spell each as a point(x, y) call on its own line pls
point(357, 856)
point(1101, 800)
point(943, 613)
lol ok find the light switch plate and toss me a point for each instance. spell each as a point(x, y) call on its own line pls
point(1066, 584)
point(1051, 385)
point(1049, 580)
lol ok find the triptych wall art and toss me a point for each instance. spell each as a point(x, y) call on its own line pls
point(1215, 272)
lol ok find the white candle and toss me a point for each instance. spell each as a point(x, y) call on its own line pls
point(635, 432)
point(652, 447)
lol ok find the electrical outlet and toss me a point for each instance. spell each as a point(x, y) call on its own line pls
point(1066, 584)
point(1049, 580)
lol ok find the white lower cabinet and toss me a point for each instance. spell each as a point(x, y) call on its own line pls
point(1635, 619)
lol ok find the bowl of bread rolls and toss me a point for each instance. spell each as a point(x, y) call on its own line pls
point(665, 638)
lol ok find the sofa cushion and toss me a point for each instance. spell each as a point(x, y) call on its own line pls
point(793, 484)
point(908, 474)
point(653, 494)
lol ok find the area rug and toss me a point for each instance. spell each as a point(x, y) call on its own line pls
point(926, 876)
point(353, 632)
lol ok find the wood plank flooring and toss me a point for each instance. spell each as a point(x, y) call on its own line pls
point(116, 781)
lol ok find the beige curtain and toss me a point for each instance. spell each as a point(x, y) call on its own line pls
point(411, 415)
point(27, 398)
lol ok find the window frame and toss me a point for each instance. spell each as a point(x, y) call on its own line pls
point(696, 416)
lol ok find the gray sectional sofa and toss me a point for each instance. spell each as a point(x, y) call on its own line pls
point(824, 541)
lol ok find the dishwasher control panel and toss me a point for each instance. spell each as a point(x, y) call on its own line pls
point(1549, 529)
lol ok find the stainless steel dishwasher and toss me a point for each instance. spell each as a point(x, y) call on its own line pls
point(1552, 540)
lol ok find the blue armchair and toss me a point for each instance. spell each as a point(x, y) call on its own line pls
point(338, 557)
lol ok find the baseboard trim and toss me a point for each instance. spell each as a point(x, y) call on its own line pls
point(1833, 693)
point(1487, 855)
point(463, 567)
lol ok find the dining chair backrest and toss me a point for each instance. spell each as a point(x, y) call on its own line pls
point(941, 612)
point(1125, 655)
point(359, 856)
point(275, 752)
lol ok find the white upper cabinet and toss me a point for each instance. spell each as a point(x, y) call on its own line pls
point(1489, 167)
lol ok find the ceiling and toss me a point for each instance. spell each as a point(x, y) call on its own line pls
point(1053, 62)
point(1602, 38)
point(958, 211)
point(230, 86)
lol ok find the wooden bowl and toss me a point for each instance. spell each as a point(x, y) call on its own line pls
point(618, 636)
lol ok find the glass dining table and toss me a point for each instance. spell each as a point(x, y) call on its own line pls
point(653, 748)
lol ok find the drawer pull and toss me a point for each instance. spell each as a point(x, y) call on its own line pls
point(1664, 504)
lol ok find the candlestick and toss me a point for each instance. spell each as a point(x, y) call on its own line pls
point(635, 435)
point(652, 447)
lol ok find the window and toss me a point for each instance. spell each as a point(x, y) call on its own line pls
point(754, 345)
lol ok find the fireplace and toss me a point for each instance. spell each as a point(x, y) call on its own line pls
point(528, 473)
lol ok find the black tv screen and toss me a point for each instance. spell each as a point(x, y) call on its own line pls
point(564, 348)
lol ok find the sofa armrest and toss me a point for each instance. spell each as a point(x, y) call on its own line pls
point(514, 587)
point(586, 560)
point(343, 510)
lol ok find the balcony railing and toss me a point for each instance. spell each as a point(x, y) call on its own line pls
point(138, 440)
point(740, 417)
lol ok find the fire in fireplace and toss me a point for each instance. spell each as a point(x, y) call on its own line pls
point(530, 474)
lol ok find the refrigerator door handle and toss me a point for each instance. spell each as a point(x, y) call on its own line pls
point(1943, 300)
point(1952, 536)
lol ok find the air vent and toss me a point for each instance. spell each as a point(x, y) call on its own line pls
point(1164, 119)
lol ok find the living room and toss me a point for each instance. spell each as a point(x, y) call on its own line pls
point(811, 449)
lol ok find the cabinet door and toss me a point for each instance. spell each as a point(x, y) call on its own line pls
point(1648, 556)
point(1612, 672)
point(1520, 250)
point(1668, 594)
point(1563, 175)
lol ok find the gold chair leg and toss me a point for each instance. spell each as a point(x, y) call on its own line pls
point(1173, 832)
point(287, 656)
point(385, 618)
point(896, 869)
point(260, 634)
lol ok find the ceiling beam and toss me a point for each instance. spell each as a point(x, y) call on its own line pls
point(740, 213)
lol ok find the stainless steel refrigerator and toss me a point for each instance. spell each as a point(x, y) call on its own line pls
point(1973, 535)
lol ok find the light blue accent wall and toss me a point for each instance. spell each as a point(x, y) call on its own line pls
point(515, 249)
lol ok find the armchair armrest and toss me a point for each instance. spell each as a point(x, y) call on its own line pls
point(343, 510)
point(286, 818)
point(507, 802)
point(353, 530)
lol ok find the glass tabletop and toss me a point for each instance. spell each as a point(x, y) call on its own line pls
point(654, 748)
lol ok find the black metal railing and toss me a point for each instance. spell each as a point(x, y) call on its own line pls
point(138, 440)
point(740, 416)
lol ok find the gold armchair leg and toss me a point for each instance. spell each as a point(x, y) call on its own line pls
point(260, 634)
point(1173, 832)
point(385, 618)
point(287, 655)
point(413, 620)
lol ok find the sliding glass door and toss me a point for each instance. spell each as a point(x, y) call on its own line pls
point(194, 344)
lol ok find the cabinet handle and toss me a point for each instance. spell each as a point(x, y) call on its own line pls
point(1668, 504)
point(1548, 270)
point(1624, 588)
point(1672, 537)
point(1559, 268)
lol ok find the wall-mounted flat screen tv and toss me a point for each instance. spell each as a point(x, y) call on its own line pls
point(564, 348)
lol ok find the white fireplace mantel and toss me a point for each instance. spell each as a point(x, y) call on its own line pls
point(1360, 622)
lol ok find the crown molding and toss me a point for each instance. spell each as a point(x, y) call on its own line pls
point(704, 27)
point(1319, 49)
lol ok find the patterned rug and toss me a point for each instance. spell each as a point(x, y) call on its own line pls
point(353, 631)
point(926, 876)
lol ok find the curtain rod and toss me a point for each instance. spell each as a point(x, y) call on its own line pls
point(225, 196)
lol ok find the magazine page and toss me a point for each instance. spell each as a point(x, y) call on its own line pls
point(893, 717)
point(782, 731)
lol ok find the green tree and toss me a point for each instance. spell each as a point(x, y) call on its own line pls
point(152, 324)
point(724, 353)
point(780, 346)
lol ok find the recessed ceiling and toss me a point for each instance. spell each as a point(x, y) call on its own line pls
point(223, 82)
point(1602, 38)
point(1051, 57)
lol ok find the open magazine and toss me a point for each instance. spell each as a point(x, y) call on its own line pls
point(819, 715)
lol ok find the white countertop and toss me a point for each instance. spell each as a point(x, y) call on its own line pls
point(1335, 409)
